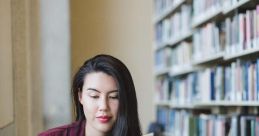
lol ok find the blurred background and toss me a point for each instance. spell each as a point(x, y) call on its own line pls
point(44, 42)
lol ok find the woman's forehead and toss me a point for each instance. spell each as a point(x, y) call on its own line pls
point(99, 82)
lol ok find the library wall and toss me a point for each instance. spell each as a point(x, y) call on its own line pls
point(6, 72)
point(124, 30)
point(21, 60)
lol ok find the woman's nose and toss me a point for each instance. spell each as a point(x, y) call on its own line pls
point(103, 104)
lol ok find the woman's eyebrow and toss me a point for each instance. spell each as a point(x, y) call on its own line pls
point(113, 91)
point(93, 89)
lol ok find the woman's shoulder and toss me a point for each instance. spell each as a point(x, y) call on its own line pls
point(73, 129)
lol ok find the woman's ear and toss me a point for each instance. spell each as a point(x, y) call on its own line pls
point(80, 96)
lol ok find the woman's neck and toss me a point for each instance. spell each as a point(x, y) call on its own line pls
point(90, 131)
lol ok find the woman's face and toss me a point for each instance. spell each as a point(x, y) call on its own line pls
point(100, 101)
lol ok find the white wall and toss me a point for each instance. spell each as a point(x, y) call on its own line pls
point(55, 40)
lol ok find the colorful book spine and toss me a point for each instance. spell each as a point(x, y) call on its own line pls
point(163, 59)
point(183, 123)
point(242, 31)
point(162, 87)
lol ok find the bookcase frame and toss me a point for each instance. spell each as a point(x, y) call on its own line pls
point(210, 16)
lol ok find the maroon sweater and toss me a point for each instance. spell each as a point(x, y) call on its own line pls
point(75, 129)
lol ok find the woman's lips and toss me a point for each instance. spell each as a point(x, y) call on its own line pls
point(104, 119)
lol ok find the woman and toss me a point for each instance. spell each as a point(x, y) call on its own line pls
point(105, 101)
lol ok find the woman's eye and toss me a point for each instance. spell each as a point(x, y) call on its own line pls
point(113, 97)
point(94, 96)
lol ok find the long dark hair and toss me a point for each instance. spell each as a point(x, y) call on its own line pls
point(127, 123)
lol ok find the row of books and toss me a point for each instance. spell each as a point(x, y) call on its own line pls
point(174, 26)
point(238, 81)
point(207, 41)
point(162, 87)
point(184, 90)
point(242, 81)
point(183, 123)
point(160, 6)
point(242, 31)
point(163, 59)
point(232, 36)
point(181, 56)
point(199, 6)
point(177, 58)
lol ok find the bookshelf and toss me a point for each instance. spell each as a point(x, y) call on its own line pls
point(167, 8)
point(206, 56)
point(208, 59)
point(241, 54)
point(206, 17)
point(209, 104)
point(235, 5)
point(161, 72)
point(226, 103)
point(182, 37)
point(160, 46)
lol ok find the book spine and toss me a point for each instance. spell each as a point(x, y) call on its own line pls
point(241, 32)
point(248, 30)
point(257, 25)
